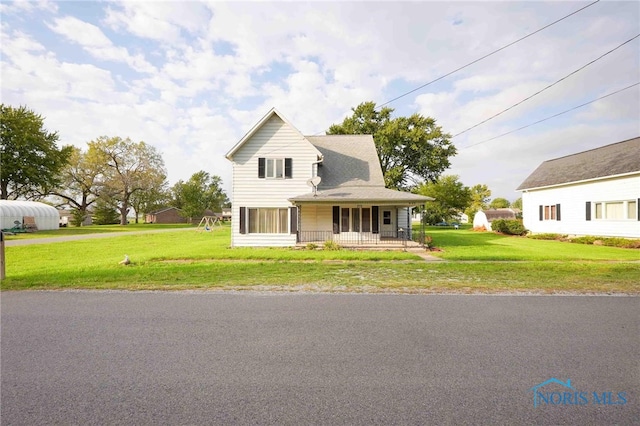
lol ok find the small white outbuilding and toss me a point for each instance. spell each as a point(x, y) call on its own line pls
point(45, 216)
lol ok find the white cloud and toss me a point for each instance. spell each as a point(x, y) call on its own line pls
point(93, 40)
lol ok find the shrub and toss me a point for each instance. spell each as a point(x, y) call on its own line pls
point(331, 245)
point(610, 242)
point(509, 226)
point(548, 236)
point(311, 246)
point(584, 240)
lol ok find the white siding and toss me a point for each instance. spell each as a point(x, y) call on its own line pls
point(275, 139)
point(316, 218)
point(573, 199)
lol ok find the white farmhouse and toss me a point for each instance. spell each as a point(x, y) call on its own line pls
point(290, 189)
point(595, 192)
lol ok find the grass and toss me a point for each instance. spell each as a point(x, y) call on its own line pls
point(488, 246)
point(95, 229)
point(478, 262)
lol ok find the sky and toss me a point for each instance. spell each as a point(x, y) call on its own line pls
point(191, 78)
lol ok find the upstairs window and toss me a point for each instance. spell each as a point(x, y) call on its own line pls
point(274, 168)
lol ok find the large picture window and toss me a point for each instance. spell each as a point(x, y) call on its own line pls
point(616, 210)
point(268, 221)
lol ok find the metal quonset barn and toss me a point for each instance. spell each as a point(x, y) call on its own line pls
point(46, 217)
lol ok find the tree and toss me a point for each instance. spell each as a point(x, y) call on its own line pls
point(81, 182)
point(410, 149)
point(144, 202)
point(131, 168)
point(480, 195)
point(31, 160)
point(105, 214)
point(451, 197)
point(201, 192)
point(499, 203)
point(517, 204)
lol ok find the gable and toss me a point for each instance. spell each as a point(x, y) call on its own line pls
point(610, 160)
point(272, 129)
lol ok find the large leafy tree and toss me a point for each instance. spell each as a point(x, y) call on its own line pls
point(411, 149)
point(31, 160)
point(451, 197)
point(81, 181)
point(131, 167)
point(144, 202)
point(499, 203)
point(517, 204)
point(201, 192)
point(480, 195)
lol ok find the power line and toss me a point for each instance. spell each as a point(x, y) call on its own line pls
point(553, 116)
point(549, 86)
point(487, 55)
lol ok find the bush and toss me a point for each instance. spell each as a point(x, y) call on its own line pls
point(312, 246)
point(509, 226)
point(548, 237)
point(610, 242)
point(331, 245)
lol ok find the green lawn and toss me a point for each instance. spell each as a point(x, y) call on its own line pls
point(96, 229)
point(464, 244)
point(202, 260)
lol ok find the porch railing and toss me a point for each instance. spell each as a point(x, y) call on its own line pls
point(399, 236)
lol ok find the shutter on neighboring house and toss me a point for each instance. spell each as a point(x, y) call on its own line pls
point(336, 219)
point(638, 207)
point(243, 220)
point(375, 220)
point(261, 162)
point(557, 211)
point(541, 212)
point(588, 210)
point(294, 220)
point(287, 168)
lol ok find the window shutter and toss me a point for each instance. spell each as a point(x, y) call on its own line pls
point(588, 210)
point(243, 220)
point(261, 162)
point(336, 219)
point(294, 220)
point(638, 207)
point(287, 168)
point(557, 211)
point(541, 212)
point(375, 221)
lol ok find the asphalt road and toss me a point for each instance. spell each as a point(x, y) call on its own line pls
point(223, 358)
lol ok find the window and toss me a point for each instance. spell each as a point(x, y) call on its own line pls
point(274, 168)
point(386, 217)
point(632, 210)
point(616, 210)
point(268, 221)
point(355, 220)
point(345, 220)
point(551, 212)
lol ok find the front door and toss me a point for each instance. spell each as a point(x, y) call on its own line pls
point(388, 223)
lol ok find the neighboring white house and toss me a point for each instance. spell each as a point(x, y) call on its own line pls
point(595, 192)
point(275, 201)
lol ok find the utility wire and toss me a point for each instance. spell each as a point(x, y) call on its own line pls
point(487, 55)
point(549, 86)
point(553, 116)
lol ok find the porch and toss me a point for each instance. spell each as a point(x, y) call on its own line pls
point(399, 239)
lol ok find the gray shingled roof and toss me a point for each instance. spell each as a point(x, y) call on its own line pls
point(610, 160)
point(349, 160)
point(351, 172)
